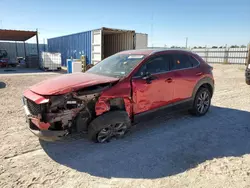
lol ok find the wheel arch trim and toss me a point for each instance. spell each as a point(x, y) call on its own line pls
point(203, 81)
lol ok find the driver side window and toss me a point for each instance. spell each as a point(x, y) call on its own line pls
point(156, 64)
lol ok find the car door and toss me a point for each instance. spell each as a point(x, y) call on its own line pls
point(186, 73)
point(156, 90)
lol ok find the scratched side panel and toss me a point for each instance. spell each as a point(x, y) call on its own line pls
point(120, 90)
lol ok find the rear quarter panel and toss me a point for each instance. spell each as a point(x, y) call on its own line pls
point(185, 81)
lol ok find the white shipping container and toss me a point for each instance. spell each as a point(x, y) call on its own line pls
point(51, 61)
point(106, 42)
point(97, 44)
point(114, 43)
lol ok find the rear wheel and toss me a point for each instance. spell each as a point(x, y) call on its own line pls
point(114, 124)
point(202, 102)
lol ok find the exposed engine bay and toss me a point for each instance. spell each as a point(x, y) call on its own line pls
point(72, 111)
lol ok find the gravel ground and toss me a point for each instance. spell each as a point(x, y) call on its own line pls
point(178, 151)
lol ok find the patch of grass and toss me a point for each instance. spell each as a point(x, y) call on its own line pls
point(243, 68)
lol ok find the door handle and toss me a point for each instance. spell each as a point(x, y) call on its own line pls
point(198, 74)
point(169, 80)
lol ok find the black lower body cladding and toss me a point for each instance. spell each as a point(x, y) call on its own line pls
point(247, 76)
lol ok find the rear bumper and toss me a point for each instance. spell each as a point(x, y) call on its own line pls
point(247, 74)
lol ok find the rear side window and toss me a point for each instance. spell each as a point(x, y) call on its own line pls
point(183, 61)
point(193, 61)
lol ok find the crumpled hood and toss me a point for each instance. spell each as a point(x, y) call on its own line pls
point(70, 82)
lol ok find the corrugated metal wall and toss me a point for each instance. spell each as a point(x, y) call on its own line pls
point(223, 55)
point(114, 43)
point(14, 52)
point(73, 46)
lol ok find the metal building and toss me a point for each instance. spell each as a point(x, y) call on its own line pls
point(31, 60)
point(97, 44)
point(20, 50)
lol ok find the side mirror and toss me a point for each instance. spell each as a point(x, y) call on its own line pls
point(146, 76)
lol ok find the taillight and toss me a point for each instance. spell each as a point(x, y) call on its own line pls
point(211, 68)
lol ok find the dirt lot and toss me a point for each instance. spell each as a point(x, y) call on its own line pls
point(181, 151)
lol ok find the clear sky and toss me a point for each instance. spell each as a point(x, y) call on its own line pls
point(168, 22)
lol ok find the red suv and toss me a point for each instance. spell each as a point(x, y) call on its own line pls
point(114, 94)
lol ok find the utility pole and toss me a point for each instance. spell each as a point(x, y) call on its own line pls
point(152, 29)
point(186, 42)
point(44, 45)
point(37, 46)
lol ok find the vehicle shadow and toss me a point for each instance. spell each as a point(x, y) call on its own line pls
point(161, 147)
point(2, 85)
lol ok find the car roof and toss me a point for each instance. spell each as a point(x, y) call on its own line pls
point(153, 51)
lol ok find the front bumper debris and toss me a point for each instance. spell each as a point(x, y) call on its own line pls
point(47, 135)
point(40, 129)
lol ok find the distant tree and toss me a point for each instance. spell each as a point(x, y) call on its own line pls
point(195, 47)
point(243, 46)
point(199, 47)
point(234, 46)
point(175, 47)
point(214, 47)
point(221, 47)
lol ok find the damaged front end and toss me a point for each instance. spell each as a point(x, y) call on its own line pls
point(53, 117)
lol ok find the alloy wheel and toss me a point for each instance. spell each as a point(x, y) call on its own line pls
point(203, 102)
point(115, 130)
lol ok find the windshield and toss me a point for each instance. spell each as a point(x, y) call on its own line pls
point(118, 65)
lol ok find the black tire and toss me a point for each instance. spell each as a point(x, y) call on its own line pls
point(105, 121)
point(247, 82)
point(196, 110)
